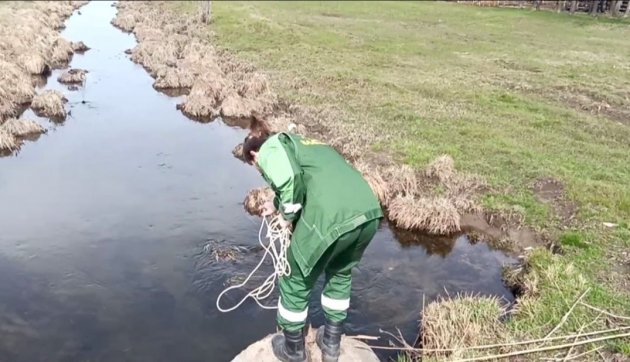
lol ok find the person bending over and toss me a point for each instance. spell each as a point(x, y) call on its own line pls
point(334, 214)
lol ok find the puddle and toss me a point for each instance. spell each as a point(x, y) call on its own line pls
point(106, 218)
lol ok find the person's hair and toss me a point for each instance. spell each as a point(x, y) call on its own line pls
point(258, 134)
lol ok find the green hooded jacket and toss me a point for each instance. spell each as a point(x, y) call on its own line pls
point(318, 191)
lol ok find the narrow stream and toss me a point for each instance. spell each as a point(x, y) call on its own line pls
point(105, 220)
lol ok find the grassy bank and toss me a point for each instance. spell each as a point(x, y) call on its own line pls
point(514, 96)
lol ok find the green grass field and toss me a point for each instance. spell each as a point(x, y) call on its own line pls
point(512, 95)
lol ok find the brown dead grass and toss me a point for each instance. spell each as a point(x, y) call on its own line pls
point(177, 58)
point(402, 180)
point(238, 152)
point(72, 76)
point(49, 103)
point(79, 46)
point(34, 63)
point(373, 177)
point(442, 168)
point(459, 323)
point(22, 127)
point(256, 198)
point(8, 142)
point(435, 215)
point(29, 45)
point(15, 84)
point(125, 22)
point(61, 53)
point(238, 107)
point(172, 78)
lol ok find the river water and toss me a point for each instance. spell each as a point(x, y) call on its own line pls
point(105, 221)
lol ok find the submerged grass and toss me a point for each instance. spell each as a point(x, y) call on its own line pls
point(513, 96)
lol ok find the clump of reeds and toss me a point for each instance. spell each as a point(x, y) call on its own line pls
point(8, 142)
point(22, 127)
point(256, 198)
point(49, 103)
point(72, 76)
point(79, 46)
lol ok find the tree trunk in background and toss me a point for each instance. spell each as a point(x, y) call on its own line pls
point(625, 13)
point(206, 11)
point(537, 4)
point(593, 9)
point(573, 6)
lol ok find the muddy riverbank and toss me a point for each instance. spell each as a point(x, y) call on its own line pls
point(112, 212)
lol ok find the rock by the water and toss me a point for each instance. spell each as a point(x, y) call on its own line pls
point(352, 350)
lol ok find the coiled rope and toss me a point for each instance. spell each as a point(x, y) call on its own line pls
point(279, 237)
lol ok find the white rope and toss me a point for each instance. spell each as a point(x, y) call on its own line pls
point(279, 237)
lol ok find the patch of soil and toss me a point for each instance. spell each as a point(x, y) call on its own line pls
point(506, 233)
point(551, 191)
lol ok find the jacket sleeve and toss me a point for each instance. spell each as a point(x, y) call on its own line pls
point(282, 171)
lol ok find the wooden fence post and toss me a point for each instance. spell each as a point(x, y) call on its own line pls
point(206, 11)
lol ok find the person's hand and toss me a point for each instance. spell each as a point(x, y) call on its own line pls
point(267, 209)
point(285, 224)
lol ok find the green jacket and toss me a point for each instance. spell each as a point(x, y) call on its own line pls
point(317, 190)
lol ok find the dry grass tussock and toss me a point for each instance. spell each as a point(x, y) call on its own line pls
point(461, 322)
point(442, 168)
point(49, 103)
point(435, 215)
point(8, 142)
point(22, 127)
point(256, 198)
point(72, 76)
point(182, 58)
point(373, 177)
point(30, 44)
point(33, 63)
point(431, 201)
point(79, 46)
point(61, 53)
point(238, 152)
point(171, 78)
point(15, 87)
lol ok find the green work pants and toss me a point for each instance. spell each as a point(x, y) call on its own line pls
point(337, 262)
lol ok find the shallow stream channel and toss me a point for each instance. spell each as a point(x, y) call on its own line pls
point(109, 222)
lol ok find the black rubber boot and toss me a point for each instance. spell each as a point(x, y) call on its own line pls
point(329, 340)
point(289, 346)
